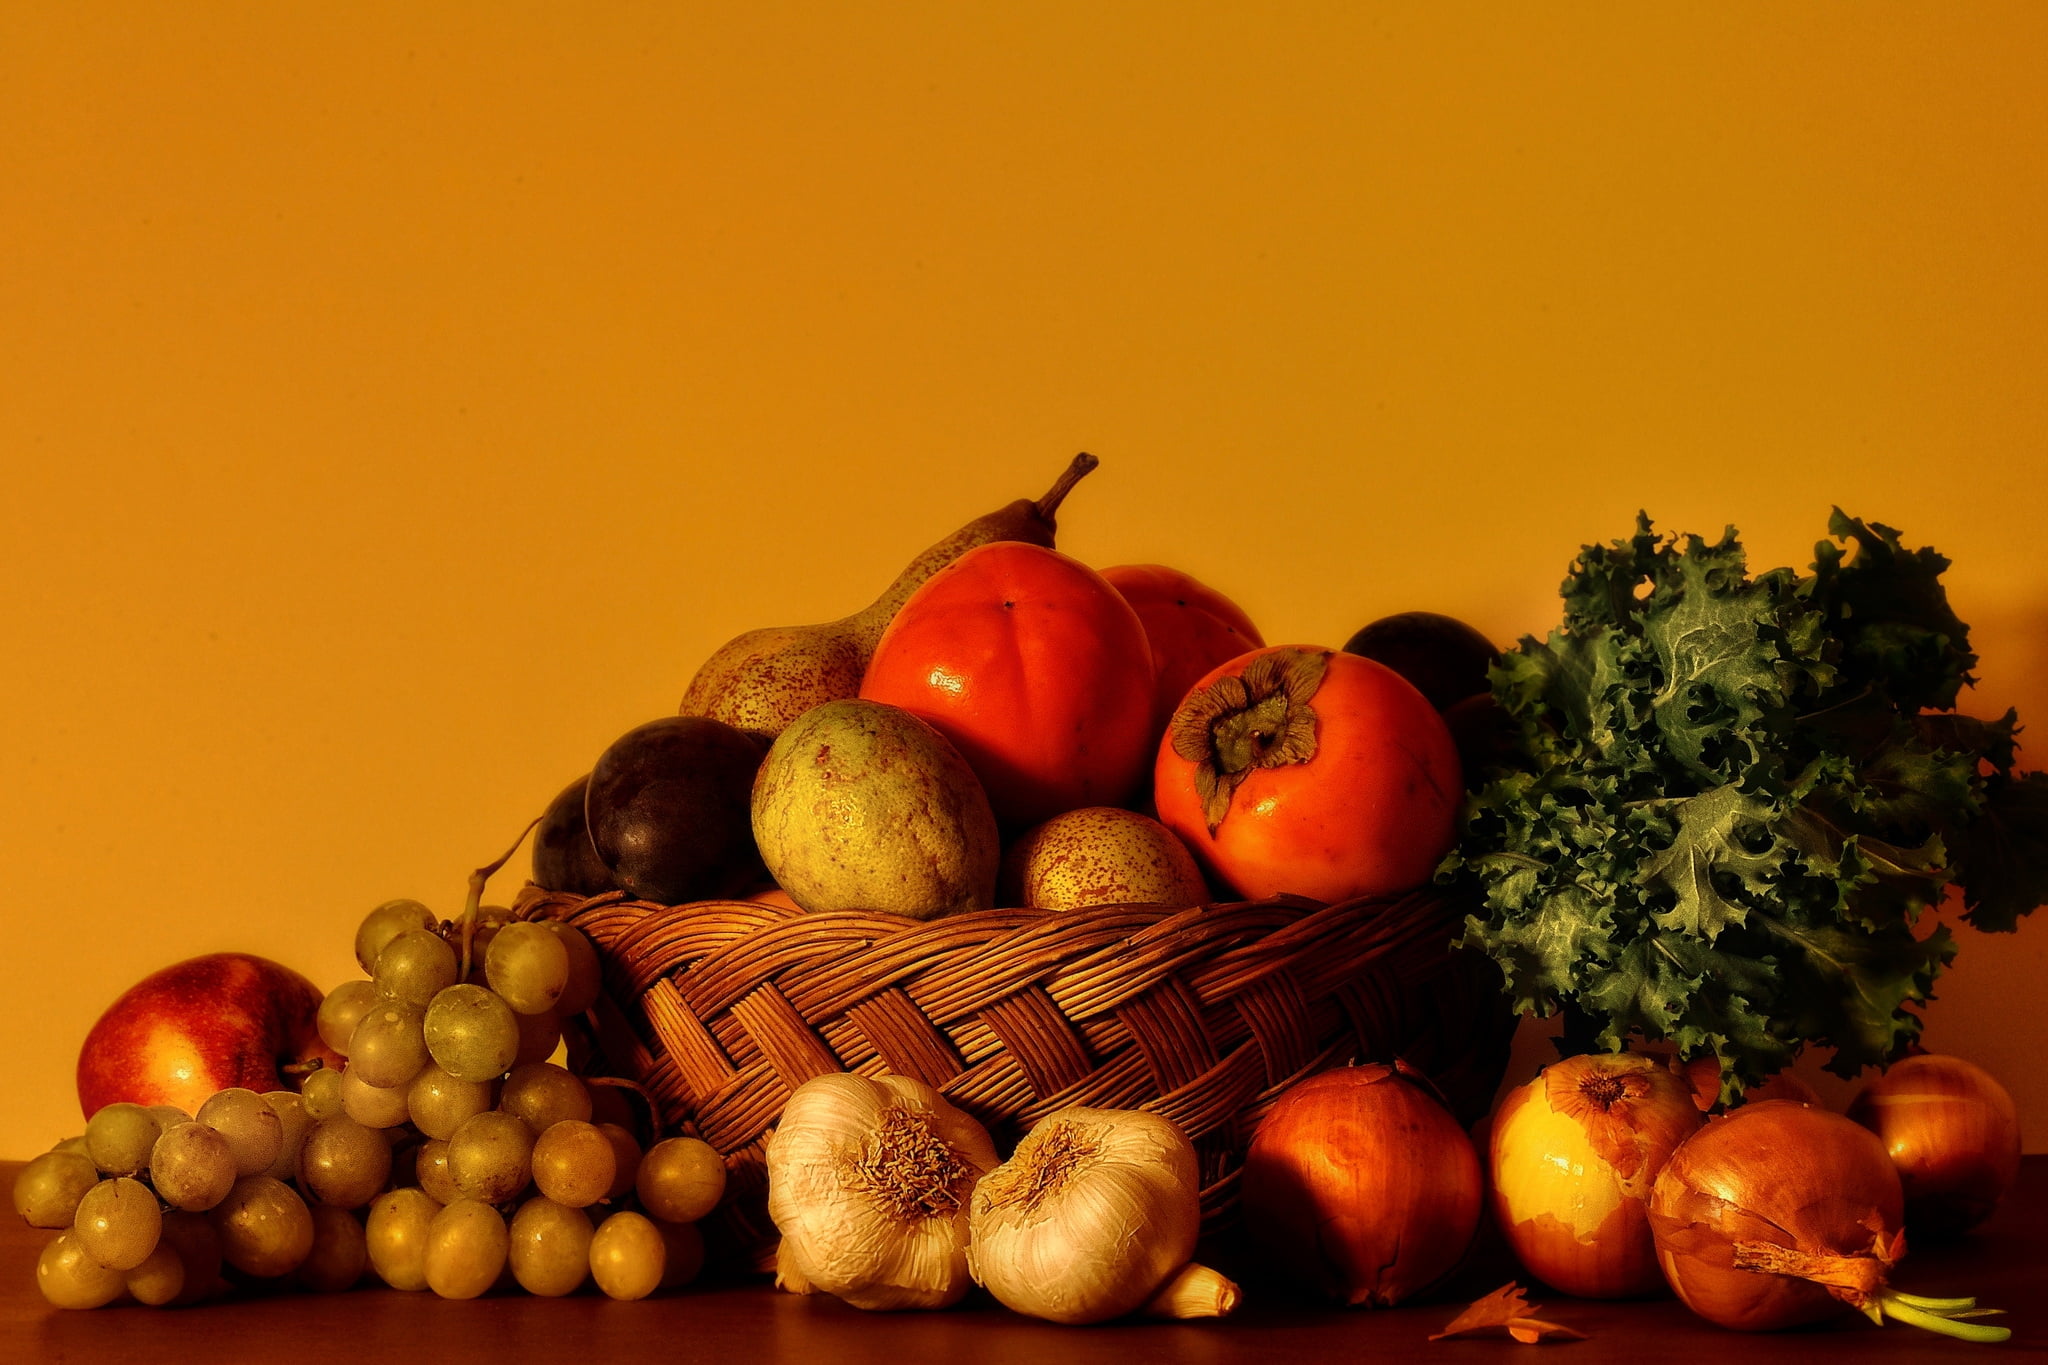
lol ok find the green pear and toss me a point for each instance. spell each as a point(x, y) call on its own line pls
point(862, 806)
point(764, 679)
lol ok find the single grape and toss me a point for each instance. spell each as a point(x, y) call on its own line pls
point(625, 1158)
point(680, 1179)
point(491, 1156)
point(321, 1091)
point(372, 1106)
point(438, 1102)
point(388, 1048)
point(539, 1037)
point(528, 967)
point(169, 1116)
point(118, 1222)
point(340, 1252)
point(385, 923)
point(47, 1190)
point(684, 1247)
point(159, 1279)
point(431, 1169)
point(395, 1233)
point(471, 1033)
point(586, 970)
point(611, 1102)
point(192, 1236)
point(341, 1010)
point(73, 1144)
point(119, 1137)
point(343, 1163)
point(550, 1247)
point(192, 1167)
point(254, 1132)
point(415, 967)
point(544, 1094)
point(574, 1164)
point(467, 1244)
point(293, 1120)
point(70, 1278)
point(489, 920)
point(265, 1229)
point(628, 1256)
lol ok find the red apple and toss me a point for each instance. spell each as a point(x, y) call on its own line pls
point(1192, 628)
point(198, 1026)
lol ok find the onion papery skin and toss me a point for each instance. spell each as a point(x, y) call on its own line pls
point(1360, 1187)
point(1954, 1134)
point(1574, 1155)
point(1785, 1174)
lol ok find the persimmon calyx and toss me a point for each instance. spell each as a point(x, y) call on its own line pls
point(1260, 718)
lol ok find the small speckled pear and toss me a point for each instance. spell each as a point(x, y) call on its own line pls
point(862, 806)
point(764, 679)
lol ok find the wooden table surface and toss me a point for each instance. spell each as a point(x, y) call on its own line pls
point(2004, 1263)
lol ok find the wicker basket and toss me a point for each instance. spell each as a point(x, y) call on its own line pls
point(720, 1009)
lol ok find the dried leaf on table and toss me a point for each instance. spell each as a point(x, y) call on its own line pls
point(1506, 1311)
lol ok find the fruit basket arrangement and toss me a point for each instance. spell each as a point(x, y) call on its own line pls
point(1204, 1015)
point(1034, 921)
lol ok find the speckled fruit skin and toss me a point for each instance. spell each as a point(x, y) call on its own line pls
point(1099, 855)
point(862, 806)
point(205, 1024)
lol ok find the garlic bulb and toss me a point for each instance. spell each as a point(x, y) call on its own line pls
point(1093, 1215)
point(868, 1182)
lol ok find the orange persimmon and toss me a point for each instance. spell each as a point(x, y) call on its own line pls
point(1301, 769)
point(1192, 628)
point(1035, 668)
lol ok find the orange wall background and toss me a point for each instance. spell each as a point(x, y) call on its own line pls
point(398, 402)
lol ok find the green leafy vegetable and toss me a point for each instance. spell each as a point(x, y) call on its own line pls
point(1732, 797)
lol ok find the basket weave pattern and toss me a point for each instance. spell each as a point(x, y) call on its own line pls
point(720, 1009)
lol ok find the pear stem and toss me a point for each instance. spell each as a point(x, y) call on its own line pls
point(473, 904)
point(1075, 471)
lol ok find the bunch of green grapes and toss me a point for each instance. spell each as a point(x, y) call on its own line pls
point(450, 1153)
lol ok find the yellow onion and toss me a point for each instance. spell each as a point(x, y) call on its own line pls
point(1361, 1187)
point(1781, 1214)
point(1574, 1155)
point(1954, 1134)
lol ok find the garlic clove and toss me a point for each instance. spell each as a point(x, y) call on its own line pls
point(1196, 1292)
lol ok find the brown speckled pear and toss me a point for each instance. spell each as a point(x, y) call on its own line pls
point(862, 806)
point(1099, 855)
point(766, 678)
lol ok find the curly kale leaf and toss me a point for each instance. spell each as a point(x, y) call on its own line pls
point(1728, 804)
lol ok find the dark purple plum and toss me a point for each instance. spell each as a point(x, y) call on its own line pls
point(1445, 658)
point(563, 856)
point(668, 809)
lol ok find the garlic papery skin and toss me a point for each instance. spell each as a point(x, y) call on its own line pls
point(869, 1180)
point(1092, 1215)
